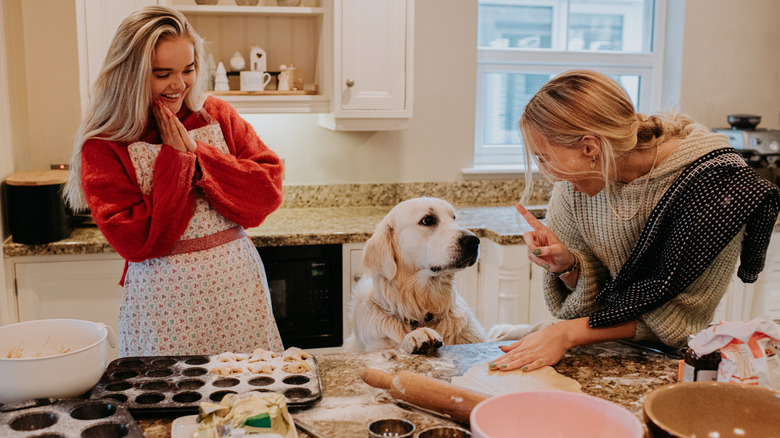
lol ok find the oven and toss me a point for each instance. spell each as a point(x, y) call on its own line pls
point(759, 147)
point(306, 293)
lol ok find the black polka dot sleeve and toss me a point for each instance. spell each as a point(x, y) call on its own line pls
point(697, 217)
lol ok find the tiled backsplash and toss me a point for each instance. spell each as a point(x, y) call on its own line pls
point(459, 193)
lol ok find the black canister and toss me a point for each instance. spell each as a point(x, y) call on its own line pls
point(36, 211)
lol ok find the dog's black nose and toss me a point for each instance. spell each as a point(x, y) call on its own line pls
point(469, 242)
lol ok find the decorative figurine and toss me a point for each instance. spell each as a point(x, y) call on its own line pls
point(284, 79)
point(257, 59)
point(221, 81)
point(237, 62)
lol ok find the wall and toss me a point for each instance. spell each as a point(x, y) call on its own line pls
point(6, 153)
point(50, 83)
point(730, 61)
point(724, 43)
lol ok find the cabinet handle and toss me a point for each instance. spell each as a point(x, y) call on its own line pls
point(357, 277)
point(350, 82)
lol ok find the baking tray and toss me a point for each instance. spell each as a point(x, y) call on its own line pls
point(178, 384)
point(67, 418)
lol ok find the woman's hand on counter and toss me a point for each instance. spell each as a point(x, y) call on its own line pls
point(549, 345)
point(537, 349)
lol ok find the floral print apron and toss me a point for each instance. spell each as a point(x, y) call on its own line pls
point(193, 300)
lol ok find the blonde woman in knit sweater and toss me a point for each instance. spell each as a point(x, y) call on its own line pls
point(646, 223)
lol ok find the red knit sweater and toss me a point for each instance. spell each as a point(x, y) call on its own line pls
point(245, 186)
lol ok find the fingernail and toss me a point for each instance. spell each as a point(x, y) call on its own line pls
point(492, 365)
point(502, 366)
point(546, 266)
point(524, 368)
point(536, 252)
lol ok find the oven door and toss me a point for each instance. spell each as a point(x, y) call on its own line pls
point(306, 293)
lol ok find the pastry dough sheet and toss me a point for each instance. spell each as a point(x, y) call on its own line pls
point(481, 378)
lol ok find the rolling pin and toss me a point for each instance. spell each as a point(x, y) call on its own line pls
point(426, 392)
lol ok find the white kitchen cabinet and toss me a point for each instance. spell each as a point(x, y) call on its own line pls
point(292, 36)
point(763, 296)
point(97, 21)
point(356, 56)
point(66, 286)
point(372, 74)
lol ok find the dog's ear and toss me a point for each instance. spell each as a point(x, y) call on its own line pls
point(379, 252)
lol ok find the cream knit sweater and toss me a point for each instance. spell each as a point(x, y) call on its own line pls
point(603, 242)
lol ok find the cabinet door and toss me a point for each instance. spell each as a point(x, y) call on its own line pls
point(83, 289)
point(467, 285)
point(372, 40)
point(505, 283)
point(352, 266)
point(372, 65)
point(97, 22)
point(766, 297)
point(537, 307)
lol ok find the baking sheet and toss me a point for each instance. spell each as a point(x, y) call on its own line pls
point(178, 384)
point(68, 418)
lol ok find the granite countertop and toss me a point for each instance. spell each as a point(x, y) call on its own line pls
point(305, 226)
point(612, 371)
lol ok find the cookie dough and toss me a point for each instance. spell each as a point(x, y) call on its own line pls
point(293, 354)
point(260, 355)
point(228, 369)
point(482, 378)
point(229, 357)
point(295, 367)
point(261, 368)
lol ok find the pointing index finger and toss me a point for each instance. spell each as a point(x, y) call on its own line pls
point(530, 218)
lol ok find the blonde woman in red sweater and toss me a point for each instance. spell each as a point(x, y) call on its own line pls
point(172, 180)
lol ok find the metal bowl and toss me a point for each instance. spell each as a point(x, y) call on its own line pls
point(744, 121)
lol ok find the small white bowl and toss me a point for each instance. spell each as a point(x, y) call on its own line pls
point(540, 414)
point(72, 358)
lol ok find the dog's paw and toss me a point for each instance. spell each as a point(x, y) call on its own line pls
point(514, 332)
point(424, 340)
point(504, 332)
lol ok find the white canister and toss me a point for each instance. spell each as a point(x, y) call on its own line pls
point(254, 80)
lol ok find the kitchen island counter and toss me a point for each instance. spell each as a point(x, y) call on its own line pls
point(612, 371)
point(305, 226)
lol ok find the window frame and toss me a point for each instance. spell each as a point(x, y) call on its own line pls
point(649, 67)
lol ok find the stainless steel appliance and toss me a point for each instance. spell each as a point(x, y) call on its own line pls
point(306, 293)
point(759, 147)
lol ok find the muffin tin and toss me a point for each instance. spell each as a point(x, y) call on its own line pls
point(67, 418)
point(178, 384)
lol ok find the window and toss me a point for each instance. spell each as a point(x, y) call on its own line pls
point(522, 44)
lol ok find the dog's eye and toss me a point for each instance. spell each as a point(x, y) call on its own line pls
point(428, 221)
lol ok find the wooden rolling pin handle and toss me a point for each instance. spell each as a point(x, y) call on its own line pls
point(426, 392)
point(377, 378)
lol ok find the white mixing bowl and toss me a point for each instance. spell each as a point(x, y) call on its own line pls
point(72, 356)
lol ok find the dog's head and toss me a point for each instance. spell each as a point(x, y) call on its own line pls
point(420, 235)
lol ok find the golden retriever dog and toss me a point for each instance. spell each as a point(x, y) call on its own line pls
point(407, 298)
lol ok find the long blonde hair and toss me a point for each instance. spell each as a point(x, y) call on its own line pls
point(119, 108)
point(584, 102)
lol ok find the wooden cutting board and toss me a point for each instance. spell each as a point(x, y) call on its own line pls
point(38, 178)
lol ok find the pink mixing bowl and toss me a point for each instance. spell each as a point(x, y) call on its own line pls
point(542, 414)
